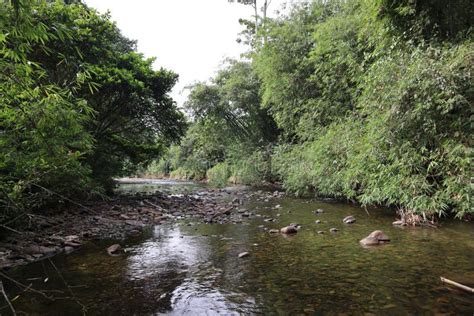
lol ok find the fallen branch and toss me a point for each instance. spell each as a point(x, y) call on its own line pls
point(91, 211)
point(11, 229)
point(458, 285)
point(154, 205)
point(6, 298)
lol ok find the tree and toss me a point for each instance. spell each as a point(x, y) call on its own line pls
point(259, 21)
point(134, 115)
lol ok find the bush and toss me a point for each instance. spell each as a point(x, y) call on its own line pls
point(219, 174)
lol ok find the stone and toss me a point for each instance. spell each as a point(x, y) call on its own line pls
point(35, 249)
point(349, 219)
point(380, 235)
point(72, 243)
point(334, 230)
point(398, 223)
point(321, 232)
point(290, 229)
point(134, 223)
point(273, 231)
point(71, 238)
point(114, 249)
point(68, 249)
point(377, 237)
point(244, 254)
point(317, 222)
point(369, 241)
point(319, 211)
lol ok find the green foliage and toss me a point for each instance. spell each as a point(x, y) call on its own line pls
point(229, 129)
point(405, 141)
point(219, 174)
point(78, 104)
point(42, 136)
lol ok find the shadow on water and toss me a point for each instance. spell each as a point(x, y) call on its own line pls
point(191, 268)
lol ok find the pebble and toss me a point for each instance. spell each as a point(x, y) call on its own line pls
point(244, 254)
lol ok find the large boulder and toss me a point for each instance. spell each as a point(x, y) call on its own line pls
point(375, 238)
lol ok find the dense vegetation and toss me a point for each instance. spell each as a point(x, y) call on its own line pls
point(78, 105)
point(365, 100)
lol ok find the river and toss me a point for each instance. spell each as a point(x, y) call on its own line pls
point(190, 268)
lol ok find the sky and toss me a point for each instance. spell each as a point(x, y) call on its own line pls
point(189, 37)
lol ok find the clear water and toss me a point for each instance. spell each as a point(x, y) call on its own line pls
point(192, 268)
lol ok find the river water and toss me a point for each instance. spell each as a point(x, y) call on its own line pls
point(190, 268)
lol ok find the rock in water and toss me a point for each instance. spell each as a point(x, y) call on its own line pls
point(375, 238)
point(317, 222)
point(289, 230)
point(244, 254)
point(380, 235)
point(369, 241)
point(114, 249)
point(334, 230)
point(349, 219)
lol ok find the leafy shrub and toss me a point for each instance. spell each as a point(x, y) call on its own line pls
point(219, 174)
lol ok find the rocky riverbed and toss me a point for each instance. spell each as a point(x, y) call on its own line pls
point(120, 217)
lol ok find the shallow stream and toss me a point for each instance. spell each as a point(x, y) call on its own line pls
point(187, 267)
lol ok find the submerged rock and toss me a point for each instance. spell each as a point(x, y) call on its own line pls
point(273, 231)
point(349, 219)
point(114, 250)
point(375, 238)
point(399, 223)
point(244, 254)
point(36, 249)
point(321, 232)
point(290, 229)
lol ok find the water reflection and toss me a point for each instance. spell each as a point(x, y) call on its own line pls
point(187, 268)
point(180, 266)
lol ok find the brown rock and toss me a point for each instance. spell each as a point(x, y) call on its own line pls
point(369, 241)
point(380, 235)
point(114, 249)
point(375, 238)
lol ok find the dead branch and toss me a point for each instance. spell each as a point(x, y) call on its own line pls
point(6, 298)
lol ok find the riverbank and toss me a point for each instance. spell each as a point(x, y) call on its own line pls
point(119, 217)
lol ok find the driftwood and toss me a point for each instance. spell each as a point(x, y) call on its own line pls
point(458, 285)
point(6, 298)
